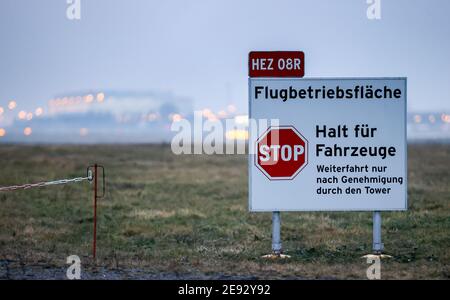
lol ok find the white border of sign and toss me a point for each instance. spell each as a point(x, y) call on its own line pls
point(250, 158)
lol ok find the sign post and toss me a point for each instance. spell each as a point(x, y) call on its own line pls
point(377, 245)
point(276, 233)
point(339, 145)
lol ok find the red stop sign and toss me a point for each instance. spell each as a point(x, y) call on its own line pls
point(281, 153)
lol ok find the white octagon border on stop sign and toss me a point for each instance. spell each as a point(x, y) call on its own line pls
point(264, 135)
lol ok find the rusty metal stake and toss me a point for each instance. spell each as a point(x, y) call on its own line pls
point(94, 176)
point(94, 244)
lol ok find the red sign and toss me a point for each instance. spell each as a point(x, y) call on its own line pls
point(276, 64)
point(281, 153)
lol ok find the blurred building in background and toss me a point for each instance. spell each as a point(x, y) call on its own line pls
point(146, 117)
point(96, 117)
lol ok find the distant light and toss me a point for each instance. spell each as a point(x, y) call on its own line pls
point(22, 115)
point(176, 118)
point(27, 131)
point(1, 110)
point(445, 118)
point(231, 108)
point(212, 117)
point(2, 132)
point(53, 102)
point(29, 116)
point(206, 112)
point(431, 118)
point(84, 131)
point(417, 118)
point(222, 114)
point(89, 98)
point(38, 111)
point(12, 104)
point(100, 97)
point(238, 134)
point(241, 119)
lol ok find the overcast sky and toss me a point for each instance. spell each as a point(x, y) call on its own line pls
point(199, 49)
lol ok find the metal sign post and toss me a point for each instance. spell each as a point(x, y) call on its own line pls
point(277, 249)
point(276, 233)
point(377, 245)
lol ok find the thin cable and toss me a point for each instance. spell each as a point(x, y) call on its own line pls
point(43, 183)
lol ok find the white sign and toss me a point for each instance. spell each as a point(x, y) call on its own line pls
point(339, 145)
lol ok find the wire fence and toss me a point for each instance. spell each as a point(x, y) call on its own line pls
point(92, 176)
point(45, 183)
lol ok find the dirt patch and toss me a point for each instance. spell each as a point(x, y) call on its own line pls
point(10, 270)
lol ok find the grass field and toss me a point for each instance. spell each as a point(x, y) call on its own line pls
point(187, 215)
